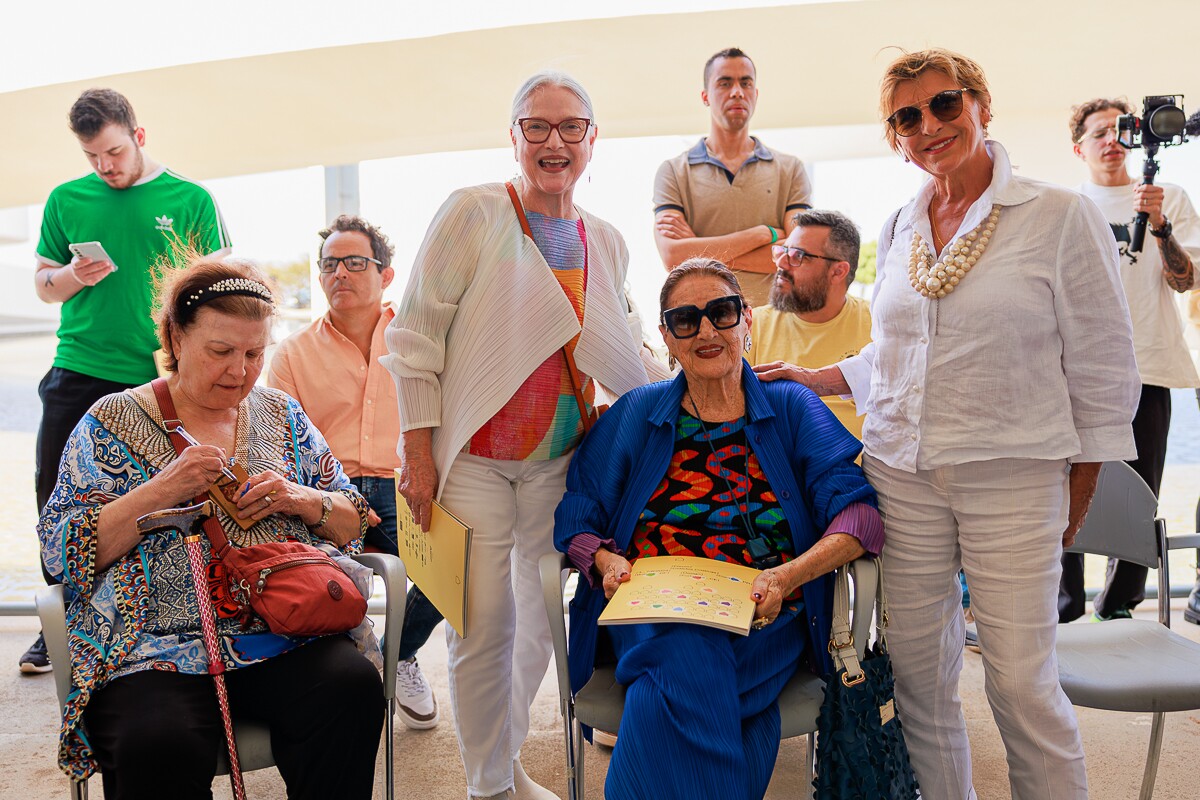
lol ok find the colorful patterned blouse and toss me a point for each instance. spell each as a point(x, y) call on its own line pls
point(542, 421)
point(141, 612)
point(693, 513)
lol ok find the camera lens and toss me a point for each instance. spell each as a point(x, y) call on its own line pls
point(1166, 122)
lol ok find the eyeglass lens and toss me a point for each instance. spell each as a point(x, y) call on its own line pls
point(795, 255)
point(1103, 132)
point(353, 263)
point(945, 106)
point(537, 130)
point(684, 321)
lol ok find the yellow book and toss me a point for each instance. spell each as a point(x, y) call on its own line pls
point(438, 562)
point(702, 591)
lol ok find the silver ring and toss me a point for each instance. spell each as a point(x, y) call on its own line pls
point(267, 500)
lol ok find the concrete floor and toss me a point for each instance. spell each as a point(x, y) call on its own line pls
point(428, 766)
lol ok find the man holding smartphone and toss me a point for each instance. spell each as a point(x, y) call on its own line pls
point(140, 214)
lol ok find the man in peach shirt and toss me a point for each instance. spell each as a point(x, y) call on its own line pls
point(332, 368)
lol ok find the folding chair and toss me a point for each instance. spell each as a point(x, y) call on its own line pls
point(253, 739)
point(1130, 664)
point(600, 702)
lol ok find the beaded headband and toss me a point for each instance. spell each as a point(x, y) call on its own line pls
point(227, 287)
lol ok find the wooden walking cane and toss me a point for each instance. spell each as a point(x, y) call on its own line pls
point(187, 522)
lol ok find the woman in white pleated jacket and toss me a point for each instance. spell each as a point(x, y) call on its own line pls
point(488, 412)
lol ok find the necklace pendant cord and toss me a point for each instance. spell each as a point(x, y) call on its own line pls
point(743, 515)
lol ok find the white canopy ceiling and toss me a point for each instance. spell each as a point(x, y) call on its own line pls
point(819, 66)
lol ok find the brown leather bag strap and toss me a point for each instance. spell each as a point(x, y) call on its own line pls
point(520, 209)
point(171, 421)
point(576, 384)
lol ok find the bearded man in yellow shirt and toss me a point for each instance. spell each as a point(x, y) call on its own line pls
point(811, 321)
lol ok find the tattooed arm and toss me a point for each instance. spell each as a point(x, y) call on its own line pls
point(1178, 270)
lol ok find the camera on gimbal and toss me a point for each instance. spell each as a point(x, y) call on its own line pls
point(1162, 124)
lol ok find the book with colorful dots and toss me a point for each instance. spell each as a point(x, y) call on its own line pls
point(701, 591)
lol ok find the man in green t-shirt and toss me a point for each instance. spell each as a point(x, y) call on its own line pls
point(139, 212)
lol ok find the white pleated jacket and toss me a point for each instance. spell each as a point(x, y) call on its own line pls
point(482, 310)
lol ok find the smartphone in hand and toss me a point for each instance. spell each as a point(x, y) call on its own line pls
point(93, 250)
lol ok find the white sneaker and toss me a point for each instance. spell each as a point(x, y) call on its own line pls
point(524, 787)
point(415, 704)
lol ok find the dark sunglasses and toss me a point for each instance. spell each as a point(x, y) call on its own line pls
point(684, 321)
point(946, 106)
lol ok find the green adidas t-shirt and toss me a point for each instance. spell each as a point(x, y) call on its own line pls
point(107, 330)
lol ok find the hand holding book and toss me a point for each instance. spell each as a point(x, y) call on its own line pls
point(613, 569)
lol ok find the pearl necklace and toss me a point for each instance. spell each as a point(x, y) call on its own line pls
point(936, 279)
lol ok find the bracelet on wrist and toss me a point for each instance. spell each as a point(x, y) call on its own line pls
point(1163, 231)
point(774, 234)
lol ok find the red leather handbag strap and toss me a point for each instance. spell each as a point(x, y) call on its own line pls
point(162, 393)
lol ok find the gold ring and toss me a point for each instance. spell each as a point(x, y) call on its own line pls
point(760, 623)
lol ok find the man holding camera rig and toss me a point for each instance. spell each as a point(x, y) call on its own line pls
point(1150, 277)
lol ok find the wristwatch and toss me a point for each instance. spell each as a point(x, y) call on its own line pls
point(326, 510)
point(1164, 232)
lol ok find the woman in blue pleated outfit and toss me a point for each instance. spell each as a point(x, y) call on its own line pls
point(718, 465)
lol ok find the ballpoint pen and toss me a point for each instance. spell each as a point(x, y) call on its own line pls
point(187, 437)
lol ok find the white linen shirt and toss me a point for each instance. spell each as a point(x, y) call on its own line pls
point(482, 311)
point(1030, 357)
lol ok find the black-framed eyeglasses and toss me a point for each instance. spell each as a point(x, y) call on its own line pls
point(946, 106)
point(353, 263)
point(796, 255)
point(684, 321)
point(571, 131)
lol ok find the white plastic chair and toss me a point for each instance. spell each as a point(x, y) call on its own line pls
point(1130, 664)
point(253, 739)
point(600, 702)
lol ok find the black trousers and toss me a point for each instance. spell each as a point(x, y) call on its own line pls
point(66, 397)
point(157, 734)
point(1124, 583)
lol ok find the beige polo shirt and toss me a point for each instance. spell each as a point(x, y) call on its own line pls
point(767, 189)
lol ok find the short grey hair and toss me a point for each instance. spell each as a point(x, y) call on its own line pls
point(843, 242)
point(550, 77)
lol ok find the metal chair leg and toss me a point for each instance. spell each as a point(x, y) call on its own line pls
point(1156, 734)
point(810, 760)
point(580, 751)
point(389, 767)
point(570, 731)
point(79, 790)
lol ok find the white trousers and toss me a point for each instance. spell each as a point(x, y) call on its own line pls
point(495, 672)
point(1002, 522)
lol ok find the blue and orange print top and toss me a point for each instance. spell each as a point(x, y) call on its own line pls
point(541, 421)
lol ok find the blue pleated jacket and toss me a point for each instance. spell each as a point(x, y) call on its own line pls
point(805, 453)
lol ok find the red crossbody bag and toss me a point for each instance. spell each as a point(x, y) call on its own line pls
point(294, 587)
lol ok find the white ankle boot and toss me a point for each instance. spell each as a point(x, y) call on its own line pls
point(525, 788)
